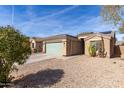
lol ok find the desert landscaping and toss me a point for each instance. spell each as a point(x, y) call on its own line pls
point(68, 72)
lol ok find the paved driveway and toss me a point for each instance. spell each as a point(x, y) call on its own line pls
point(75, 71)
point(39, 57)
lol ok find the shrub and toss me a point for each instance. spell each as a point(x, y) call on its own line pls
point(14, 48)
point(37, 50)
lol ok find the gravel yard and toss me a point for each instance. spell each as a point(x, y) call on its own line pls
point(72, 72)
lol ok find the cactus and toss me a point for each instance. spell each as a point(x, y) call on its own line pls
point(92, 50)
point(101, 52)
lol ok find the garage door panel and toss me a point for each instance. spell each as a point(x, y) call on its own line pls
point(54, 49)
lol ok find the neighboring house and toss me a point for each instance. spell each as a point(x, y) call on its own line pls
point(96, 39)
point(59, 45)
point(36, 44)
point(119, 42)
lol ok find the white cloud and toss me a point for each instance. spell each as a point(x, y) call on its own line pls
point(49, 25)
point(53, 26)
point(92, 24)
point(43, 28)
point(48, 16)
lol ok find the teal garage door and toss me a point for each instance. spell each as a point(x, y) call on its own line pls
point(54, 49)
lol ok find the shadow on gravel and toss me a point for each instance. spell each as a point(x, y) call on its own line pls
point(41, 79)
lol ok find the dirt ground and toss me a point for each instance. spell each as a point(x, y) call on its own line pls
point(72, 72)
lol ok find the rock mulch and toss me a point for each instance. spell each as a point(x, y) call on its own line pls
point(74, 72)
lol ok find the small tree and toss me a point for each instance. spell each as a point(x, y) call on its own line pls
point(14, 48)
point(114, 14)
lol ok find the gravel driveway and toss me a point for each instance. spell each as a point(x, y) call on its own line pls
point(72, 72)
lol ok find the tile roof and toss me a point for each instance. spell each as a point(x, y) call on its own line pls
point(89, 33)
point(99, 35)
point(61, 36)
point(85, 33)
point(37, 39)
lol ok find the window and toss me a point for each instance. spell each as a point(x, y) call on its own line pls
point(32, 45)
point(96, 44)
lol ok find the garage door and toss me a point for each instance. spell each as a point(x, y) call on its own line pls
point(54, 49)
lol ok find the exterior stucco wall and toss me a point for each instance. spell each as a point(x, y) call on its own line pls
point(87, 43)
point(44, 47)
point(74, 46)
point(86, 48)
point(119, 51)
point(71, 46)
point(37, 45)
point(106, 45)
point(112, 47)
point(122, 51)
point(33, 41)
point(64, 47)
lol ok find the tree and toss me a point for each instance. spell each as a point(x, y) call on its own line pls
point(14, 48)
point(114, 14)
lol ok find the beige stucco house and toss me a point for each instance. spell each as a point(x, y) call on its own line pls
point(96, 39)
point(62, 45)
point(67, 45)
point(36, 44)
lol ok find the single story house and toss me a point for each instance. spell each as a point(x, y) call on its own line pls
point(67, 45)
point(62, 45)
point(108, 39)
point(36, 44)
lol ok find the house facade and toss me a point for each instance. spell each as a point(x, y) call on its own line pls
point(96, 39)
point(67, 45)
point(36, 45)
point(62, 45)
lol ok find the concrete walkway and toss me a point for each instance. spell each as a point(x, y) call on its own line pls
point(38, 57)
point(41, 57)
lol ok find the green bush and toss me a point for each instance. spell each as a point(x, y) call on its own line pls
point(14, 48)
point(92, 50)
point(37, 50)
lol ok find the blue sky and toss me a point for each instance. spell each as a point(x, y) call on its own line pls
point(43, 21)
